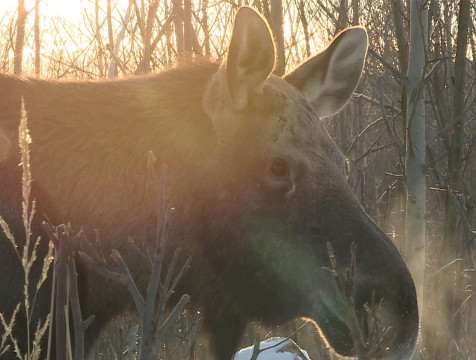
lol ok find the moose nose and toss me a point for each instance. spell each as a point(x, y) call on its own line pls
point(375, 314)
point(387, 325)
point(377, 320)
point(386, 300)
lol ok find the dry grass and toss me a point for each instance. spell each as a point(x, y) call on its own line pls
point(27, 257)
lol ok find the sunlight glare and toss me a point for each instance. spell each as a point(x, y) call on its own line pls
point(59, 8)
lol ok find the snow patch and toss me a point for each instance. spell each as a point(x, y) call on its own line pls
point(276, 348)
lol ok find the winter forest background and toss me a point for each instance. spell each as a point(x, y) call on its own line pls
point(409, 132)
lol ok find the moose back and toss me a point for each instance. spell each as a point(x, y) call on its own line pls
point(257, 184)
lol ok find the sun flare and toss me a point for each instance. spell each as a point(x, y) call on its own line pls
point(82, 31)
point(51, 8)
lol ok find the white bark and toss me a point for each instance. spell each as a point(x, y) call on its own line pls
point(416, 145)
point(115, 52)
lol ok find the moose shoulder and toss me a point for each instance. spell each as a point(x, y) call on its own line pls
point(257, 184)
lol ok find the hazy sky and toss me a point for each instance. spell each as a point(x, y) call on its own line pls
point(70, 9)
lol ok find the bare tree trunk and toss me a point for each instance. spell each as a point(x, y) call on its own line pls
point(37, 40)
point(451, 245)
point(187, 25)
point(398, 19)
point(20, 39)
point(178, 24)
point(343, 18)
point(416, 145)
point(98, 39)
point(305, 27)
point(455, 156)
point(277, 27)
point(109, 24)
point(168, 35)
point(150, 15)
point(355, 12)
point(205, 26)
point(356, 113)
point(115, 51)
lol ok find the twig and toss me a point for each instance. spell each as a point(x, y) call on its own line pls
point(376, 102)
point(397, 143)
point(62, 238)
point(153, 327)
point(256, 350)
point(286, 339)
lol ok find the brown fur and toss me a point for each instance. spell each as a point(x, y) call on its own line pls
point(257, 241)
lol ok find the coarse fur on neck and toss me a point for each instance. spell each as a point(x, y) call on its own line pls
point(100, 133)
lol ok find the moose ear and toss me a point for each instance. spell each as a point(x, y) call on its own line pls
point(329, 78)
point(250, 57)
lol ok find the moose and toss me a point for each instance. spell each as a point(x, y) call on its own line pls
point(257, 185)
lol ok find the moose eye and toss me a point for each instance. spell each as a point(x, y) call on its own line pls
point(278, 168)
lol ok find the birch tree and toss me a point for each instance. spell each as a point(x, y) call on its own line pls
point(451, 246)
point(178, 25)
point(416, 145)
point(187, 22)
